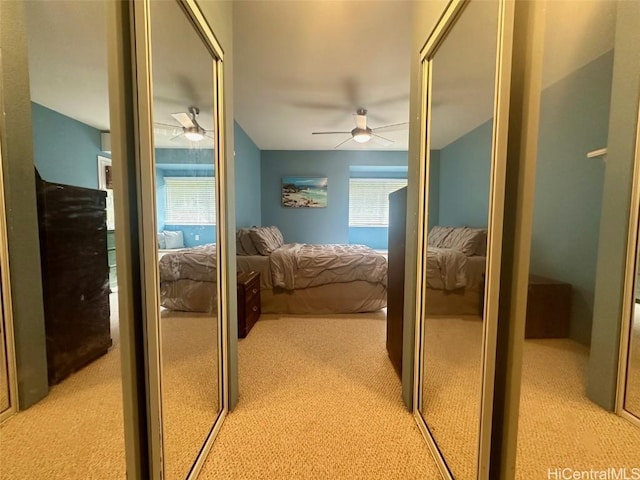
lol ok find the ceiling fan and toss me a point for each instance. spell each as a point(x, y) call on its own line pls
point(191, 129)
point(363, 133)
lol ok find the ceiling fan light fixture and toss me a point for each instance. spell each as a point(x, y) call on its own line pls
point(195, 134)
point(361, 135)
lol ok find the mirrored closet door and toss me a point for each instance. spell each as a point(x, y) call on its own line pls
point(8, 400)
point(463, 108)
point(181, 121)
point(629, 381)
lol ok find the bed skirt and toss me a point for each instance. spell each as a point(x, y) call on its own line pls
point(464, 301)
point(353, 297)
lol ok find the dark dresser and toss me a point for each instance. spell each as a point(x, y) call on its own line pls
point(395, 273)
point(75, 275)
point(548, 308)
point(248, 302)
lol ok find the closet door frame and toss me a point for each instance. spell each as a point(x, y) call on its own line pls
point(632, 257)
point(6, 322)
point(148, 224)
point(515, 135)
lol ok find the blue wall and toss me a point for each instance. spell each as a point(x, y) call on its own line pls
point(183, 162)
point(318, 225)
point(247, 168)
point(65, 150)
point(574, 120)
point(465, 173)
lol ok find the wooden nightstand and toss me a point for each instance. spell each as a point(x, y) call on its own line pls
point(248, 301)
point(548, 308)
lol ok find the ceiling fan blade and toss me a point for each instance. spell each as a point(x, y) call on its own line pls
point(385, 142)
point(166, 125)
point(361, 121)
point(342, 143)
point(183, 119)
point(390, 128)
point(329, 133)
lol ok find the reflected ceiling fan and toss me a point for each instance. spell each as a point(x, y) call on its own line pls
point(191, 129)
point(363, 133)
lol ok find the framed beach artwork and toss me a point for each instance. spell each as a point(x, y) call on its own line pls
point(304, 192)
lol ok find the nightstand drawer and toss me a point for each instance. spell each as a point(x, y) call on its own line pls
point(248, 301)
point(252, 290)
point(253, 313)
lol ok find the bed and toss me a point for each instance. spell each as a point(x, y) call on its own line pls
point(295, 278)
point(456, 263)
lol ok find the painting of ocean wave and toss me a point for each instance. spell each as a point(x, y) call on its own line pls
point(304, 192)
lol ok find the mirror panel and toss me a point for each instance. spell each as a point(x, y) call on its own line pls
point(565, 427)
point(632, 390)
point(460, 133)
point(5, 392)
point(631, 380)
point(184, 116)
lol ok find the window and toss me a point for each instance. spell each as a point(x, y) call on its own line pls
point(190, 200)
point(369, 200)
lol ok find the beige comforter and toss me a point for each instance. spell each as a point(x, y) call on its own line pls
point(446, 268)
point(297, 265)
point(292, 266)
point(196, 263)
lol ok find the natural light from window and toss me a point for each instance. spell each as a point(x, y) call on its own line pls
point(369, 200)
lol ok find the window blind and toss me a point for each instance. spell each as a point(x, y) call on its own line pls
point(190, 200)
point(369, 200)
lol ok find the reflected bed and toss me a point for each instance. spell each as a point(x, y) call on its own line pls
point(456, 265)
point(294, 278)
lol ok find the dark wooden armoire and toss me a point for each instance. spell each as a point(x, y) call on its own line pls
point(395, 272)
point(75, 275)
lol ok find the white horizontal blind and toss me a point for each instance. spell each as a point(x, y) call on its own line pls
point(190, 200)
point(369, 200)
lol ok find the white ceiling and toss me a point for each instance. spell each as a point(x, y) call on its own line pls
point(299, 66)
point(303, 67)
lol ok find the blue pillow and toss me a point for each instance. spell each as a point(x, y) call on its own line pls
point(173, 239)
point(162, 244)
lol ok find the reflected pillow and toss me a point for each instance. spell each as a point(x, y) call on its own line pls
point(162, 244)
point(243, 237)
point(438, 235)
point(470, 241)
point(267, 239)
point(173, 239)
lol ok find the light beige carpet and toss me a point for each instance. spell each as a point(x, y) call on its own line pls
point(76, 432)
point(559, 426)
point(319, 399)
point(452, 388)
point(632, 397)
point(190, 387)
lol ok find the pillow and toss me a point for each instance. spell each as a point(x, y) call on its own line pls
point(162, 244)
point(173, 239)
point(266, 239)
point(481, 243)
point(438, 235)
point(239, 248)
point(470, 241)
point(244, 235)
